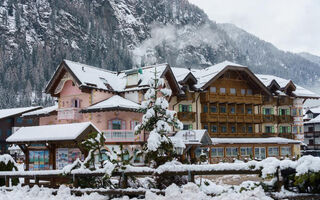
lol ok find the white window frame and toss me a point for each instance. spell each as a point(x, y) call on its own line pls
point(233, 151)
point(272, 152)
point(219, 152)
point(246, 151)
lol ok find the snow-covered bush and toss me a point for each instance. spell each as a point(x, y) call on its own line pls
point(7, 163)
point(158, 122)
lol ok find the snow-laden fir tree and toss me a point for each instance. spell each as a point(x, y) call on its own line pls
point(158, 122)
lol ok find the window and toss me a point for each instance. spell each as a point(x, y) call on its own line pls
point(213, 109)
point(300, 129)
point(213, 128)
point(250, 129)
point(243, 91)
point(185, 126)
point(267, 111)
point(205, 108)
point(116, 124)
point(246, 151)
point(249, 110)
point(232, 151)
point(260, 153)
point(249, 92)
point(294, 112)
point(243, 129)
point(232, 110)
point(233, 129)
point(223, 109)
point(311, 142)
point(29, 121)
point(232, 90)
point(76, 103)
point(213, 89)
point(184, 108)
point(273, 151)
point(19, 120)
point(222, 90)
point(223, 129)
point(133, 124)
point(205, 127)
point(269, 129)
point(0, 133)
point(217, 152)
point(9, 120)
point(284, 111)
point(285, 129)
point(285, 151)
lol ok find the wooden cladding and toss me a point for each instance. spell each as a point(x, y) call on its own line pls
point(187, 116)
point(229, 98)
point(239, 118)
point(277, 119)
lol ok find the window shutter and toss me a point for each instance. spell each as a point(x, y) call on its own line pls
point(123, 125)
point(264, 111)
point(109, 125)
point(280, 113)
point(271, 111)
point(190, 108)
point(272, 129)
point(289, 129)
point(288, 111)
point(281, 129)
point(131, 125)
point(180, 107)
point(190, 127)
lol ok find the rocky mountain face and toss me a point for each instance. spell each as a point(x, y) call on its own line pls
point(35, 35)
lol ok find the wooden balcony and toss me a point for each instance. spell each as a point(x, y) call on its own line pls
point(286, 135)
point(285, 119)
point(283, 101)
point(228, 98)
point(235, 135)
point(187, 97)
point(269, 134)
point(269, 118)
point(239, 118)
point(187, 116)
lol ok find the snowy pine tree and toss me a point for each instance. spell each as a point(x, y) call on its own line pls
point(158, 121)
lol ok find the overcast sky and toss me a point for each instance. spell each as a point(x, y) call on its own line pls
point(292, 25)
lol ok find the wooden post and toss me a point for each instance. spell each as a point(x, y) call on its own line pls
point(124, 181)
point(36, 180)
point(190, 177)
point(7, 181)
point(75, 181)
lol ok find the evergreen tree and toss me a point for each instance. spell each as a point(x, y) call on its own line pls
point(158, 121)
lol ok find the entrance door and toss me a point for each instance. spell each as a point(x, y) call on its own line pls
point(260, 153)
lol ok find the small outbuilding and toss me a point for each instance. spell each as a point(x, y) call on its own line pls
point(52, 146)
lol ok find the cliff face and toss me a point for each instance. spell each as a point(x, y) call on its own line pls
point(118, 34)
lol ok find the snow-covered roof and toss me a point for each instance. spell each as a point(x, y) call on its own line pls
point(300, 91)
point(43, 111)
point(314, 120)
point(56, 132)
point(314, 109)
point(270, 140)
point(16, 111)
point(115, 101)
point(191, 136)
point(208, 73)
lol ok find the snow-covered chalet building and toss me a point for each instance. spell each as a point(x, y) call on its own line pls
point(245, 114)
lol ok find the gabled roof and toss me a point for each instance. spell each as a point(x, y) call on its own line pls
point(115, 102)
point(87, 76)
point(4, 113)
point(315, 110)
point(43, 111)
point(58, 132)
point(284, 83)
point(314, 120)
point(193, 137)
point(211, 74)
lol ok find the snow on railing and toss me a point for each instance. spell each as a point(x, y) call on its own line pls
point(122, 136)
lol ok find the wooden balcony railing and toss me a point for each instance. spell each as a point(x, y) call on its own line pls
point(187, 116)
point(269, 118)
point(69, 113)
point(285, 119)
point(122, 136)
point(228, 98)
point(239, 118)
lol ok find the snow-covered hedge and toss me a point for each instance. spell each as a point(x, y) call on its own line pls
point(7, 163)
